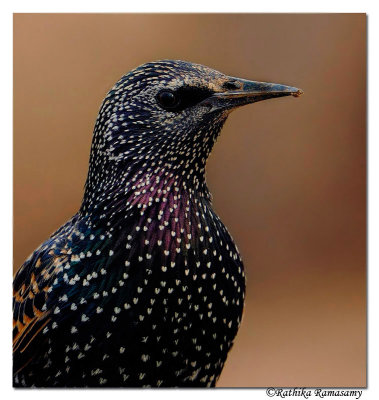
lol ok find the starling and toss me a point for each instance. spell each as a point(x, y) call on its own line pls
point(144, 286)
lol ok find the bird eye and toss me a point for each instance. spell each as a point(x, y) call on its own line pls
point(183, 97)
point(168, 99)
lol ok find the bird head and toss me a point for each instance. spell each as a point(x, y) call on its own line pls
point(166, 116)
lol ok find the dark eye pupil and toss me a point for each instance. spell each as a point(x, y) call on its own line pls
point(167, 99)
point(182, 98)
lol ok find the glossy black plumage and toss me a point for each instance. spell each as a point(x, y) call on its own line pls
point(144, 285)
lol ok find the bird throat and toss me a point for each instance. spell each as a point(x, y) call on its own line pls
point(134, 178)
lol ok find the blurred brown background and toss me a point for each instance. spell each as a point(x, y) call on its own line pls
point(288, 175)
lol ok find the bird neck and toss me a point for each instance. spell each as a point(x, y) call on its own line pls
point(137, 174)
point(140, 186)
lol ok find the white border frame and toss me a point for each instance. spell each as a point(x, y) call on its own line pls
point(6, 159)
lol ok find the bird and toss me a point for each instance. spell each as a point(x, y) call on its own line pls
point(143, 286)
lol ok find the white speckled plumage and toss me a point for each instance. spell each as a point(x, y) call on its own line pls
point(144, 285)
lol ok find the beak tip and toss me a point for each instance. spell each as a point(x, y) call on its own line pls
point(298, 93)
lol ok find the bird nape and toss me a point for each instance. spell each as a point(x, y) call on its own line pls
point(144, 286)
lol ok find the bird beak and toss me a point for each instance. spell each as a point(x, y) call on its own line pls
point(240, 92)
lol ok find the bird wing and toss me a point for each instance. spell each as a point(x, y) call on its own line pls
point(31, 287)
